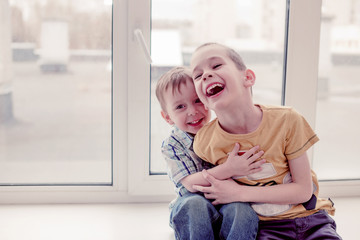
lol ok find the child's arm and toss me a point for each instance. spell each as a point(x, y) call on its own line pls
point(300, 190)
point(234, 166)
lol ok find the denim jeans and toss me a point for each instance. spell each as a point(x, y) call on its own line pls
point(192, 216)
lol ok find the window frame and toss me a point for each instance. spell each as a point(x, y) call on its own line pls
point(302, 77)
point(120, 190)
point(132, 181)
point(302, 53)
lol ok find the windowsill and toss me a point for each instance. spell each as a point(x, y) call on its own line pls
point(119, 221)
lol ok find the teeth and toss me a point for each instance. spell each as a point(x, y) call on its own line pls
point(210, 89)
point(194, 122)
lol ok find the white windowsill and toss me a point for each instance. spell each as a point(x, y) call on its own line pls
point(119, 221)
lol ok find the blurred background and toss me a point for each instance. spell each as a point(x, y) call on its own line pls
point(56, 80)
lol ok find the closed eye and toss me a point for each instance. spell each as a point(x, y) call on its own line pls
point(197, 77)
point(216, 66)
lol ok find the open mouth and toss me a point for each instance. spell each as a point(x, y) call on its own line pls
point(195, 122)
point(214, 89)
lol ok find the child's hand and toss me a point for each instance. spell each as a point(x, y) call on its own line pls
point(220, 191)
point(244, 163)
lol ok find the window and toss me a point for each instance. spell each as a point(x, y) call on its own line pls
point(338, 98)
point(173, 32)
point(100, 174)
point(256, 29)
point(56, 129)
point(129, 136)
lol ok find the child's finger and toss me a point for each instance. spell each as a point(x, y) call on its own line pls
point(250, 152)
point(200, 188)
point(209, 196)
point(255, 156)
point(258, 163)
point(235, 150)
point(208, 177)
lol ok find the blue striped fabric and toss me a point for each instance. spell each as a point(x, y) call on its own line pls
point(180, 158)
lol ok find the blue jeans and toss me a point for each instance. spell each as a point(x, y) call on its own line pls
point(192, 217)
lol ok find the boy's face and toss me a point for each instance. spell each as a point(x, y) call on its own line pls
point(217, 80)
point(184, 109)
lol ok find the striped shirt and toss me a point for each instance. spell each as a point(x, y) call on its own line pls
point(181, 160)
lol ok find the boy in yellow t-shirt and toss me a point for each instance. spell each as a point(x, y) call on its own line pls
point(285, 192)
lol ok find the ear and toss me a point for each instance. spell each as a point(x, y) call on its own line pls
point(249, 78)
point(166, 117)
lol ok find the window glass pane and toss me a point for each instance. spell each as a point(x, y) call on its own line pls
point(254, 28)
point(338, 103)
point(55, 92)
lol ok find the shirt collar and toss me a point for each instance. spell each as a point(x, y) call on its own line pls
point(186, 138)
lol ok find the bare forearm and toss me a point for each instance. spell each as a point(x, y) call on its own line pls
point(291, 193)
point(236, 165)
point(298, 191)
point(220, 172)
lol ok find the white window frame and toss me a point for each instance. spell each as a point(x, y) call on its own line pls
point(123, 115)
point(79, 194)
point(302, 77)
point(132, 181)
point(301, 74)
point(140, 180)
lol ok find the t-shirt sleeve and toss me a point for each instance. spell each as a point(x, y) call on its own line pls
point(300, 136)
point(180, 163)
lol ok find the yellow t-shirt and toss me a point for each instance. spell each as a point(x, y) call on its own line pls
point(283, 135)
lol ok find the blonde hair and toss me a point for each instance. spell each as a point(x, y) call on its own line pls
point(233, 55)
point(172, 80)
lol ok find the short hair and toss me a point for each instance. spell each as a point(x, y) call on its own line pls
point(172, 80)
point(233, 55)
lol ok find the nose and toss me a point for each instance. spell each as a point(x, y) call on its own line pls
point(192, 110)
point(207, 75)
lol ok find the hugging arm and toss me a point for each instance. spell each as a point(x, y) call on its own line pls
point(234, 166)
point(300, 190)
